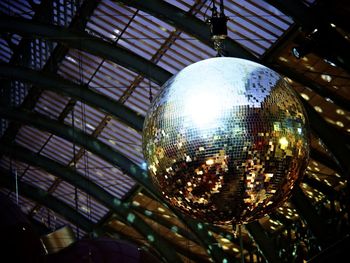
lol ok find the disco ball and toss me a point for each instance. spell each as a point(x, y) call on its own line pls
point(226, 140)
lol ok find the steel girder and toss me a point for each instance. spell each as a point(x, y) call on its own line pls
point(58, 84)
point(44, 13)
point(122, 209)
point(73, 177)
point(79, 137)
point(39, 195)
point(109, 154)
point(186, 22)
point(266, 245)
point(84, 42)
point(337, 99)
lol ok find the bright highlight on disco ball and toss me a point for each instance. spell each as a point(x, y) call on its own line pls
point(226, 140)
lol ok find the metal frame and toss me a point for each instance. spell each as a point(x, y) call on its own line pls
point(58, 84)
point(122, 209)
point(85, 42)
point(39, 195)
point(107, 153)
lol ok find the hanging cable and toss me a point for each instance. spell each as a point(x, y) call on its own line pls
point(150, 92)
point(16, 178)
point(241, 242)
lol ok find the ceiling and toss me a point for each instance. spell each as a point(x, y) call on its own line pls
point(78, 77)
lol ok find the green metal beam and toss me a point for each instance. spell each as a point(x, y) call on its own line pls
point(336, 142)
point(60, 85)
point(109, 154)
point(315, 120)
point(228, 49)
point(79, 137)
point(122, 209)
point(329, 191)
point(324, 159)
point(186, 22)
point(318, 18)
point(42, 14)
point(73, 177)
point(43, 197)
point(162, 221)
point(84, 42)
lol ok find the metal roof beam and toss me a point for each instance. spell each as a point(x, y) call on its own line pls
point(39, 195)
point(69, 175)
point(44, 14)
point(160, 75)
point(186, 22)
point(85, 42)
point(109, 154)
point(50, 81)
point(79, 137)
point(82, 93)
point(335, 141)
point(120, 208)
point(303, 80)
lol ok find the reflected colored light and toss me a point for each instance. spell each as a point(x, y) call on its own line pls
point(326, 77)
point(209, 162)
point(305, 96)
point(283, 142)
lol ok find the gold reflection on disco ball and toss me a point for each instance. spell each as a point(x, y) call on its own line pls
point(226, 140)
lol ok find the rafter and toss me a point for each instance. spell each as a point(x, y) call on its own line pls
point(264, 243)
point(107, 153)
point(73, 177)
point(39, 195)
point(311, 19)
point(44, 14)
point(85, 42)
point(119, 207)
point(324, 234)
point(60, 85)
